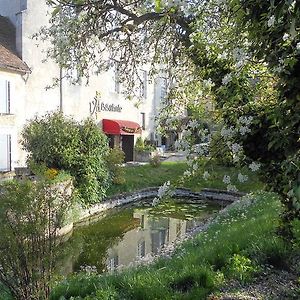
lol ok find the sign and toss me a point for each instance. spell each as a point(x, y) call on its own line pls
point(96, 106)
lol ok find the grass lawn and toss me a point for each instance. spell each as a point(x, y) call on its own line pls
point(237, 245)
point(140, 177)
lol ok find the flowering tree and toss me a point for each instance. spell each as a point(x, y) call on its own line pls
point(241, 55)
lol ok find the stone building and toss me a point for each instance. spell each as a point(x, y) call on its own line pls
point(24, 77)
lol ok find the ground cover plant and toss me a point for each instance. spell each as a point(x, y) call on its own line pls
point(223, 252)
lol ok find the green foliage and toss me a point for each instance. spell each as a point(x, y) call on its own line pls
point(57, 142)
point(143, 145)
point(219, 151)
point(52, 140)
point(241, 267)
point(31, 213)
point(114, 160)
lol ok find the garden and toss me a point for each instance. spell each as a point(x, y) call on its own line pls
point(233, 68)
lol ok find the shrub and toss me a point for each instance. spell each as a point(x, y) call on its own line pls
point(155, 161)
point(62, 143)
point(143, 145)
point(31, 214)
point(241, 267)
point(114, 159)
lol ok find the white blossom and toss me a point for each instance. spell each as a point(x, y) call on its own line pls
point(226, 179)
point(227, 78)
point(242, 178)
point(227, 132)
point(254, 166)
point(206, 175)
point(271, 21)
point(243, 130)
point(162, 191)
point(298, 46)
point(232, 188)
point(286, 36)
point(235, 148)
point(187, 173)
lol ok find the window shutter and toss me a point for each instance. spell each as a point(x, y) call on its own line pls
point(8, 97)
point(5, 152)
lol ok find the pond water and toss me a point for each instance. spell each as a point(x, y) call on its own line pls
point(128, 234)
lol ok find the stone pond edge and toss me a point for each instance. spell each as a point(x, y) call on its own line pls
point(221, 197)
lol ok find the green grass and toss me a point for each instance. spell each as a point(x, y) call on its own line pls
point(140, 177)
point(237, 245)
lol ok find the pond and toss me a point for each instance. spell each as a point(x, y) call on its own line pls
point(125, 235)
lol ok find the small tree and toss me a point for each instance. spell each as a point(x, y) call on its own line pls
point(30, 216)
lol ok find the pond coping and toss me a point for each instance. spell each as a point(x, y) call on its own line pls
point(221, 197)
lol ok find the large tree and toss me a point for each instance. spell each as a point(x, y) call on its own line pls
point(244, 55)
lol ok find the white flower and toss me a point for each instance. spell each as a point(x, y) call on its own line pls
point(244, 130)
point(193, 124)
point(235, 148)
point(286, 36)
point(232, 188)
point(162, 191)
point(226, 179)
point(155, 201)
point(242, 178)
point(254, 166)
point(206, 175)
point(298, 46)
point(227, 132)
point(227, 78)
point(271, 21)
point(187, 173)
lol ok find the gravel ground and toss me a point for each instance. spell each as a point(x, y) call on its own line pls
point(270, 285)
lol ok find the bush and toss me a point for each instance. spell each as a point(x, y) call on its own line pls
point(31, 213)
point(143, 145)
point(114, 159)
point(155, 161)
point(62, 143)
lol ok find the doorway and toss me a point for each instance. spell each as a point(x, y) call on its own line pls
point(127, 146)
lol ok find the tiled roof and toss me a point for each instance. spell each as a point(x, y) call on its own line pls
point(8, 54)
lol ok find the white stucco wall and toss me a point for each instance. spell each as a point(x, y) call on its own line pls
point(36, 100)
point(12, 124)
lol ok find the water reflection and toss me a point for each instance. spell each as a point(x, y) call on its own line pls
point(129, 235)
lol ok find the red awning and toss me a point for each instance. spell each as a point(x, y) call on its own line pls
point(120, 127)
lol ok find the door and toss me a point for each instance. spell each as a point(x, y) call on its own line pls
point(127, 146)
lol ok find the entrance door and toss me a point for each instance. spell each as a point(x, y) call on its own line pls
point(127, 146)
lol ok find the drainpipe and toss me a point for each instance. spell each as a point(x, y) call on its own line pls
point(60, 90)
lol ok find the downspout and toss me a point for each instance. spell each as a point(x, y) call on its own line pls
point(60, 90)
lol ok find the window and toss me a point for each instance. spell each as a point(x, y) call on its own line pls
point(141, 249)
point(5, 152)
point(143, 120)
point(113, 263)
point(4, 96)
point(143, 86)
point(163, 88)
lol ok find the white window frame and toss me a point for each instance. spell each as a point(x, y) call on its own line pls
point(7, 167)
point(144, 84)
point(5, 102)
point(163, 88)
